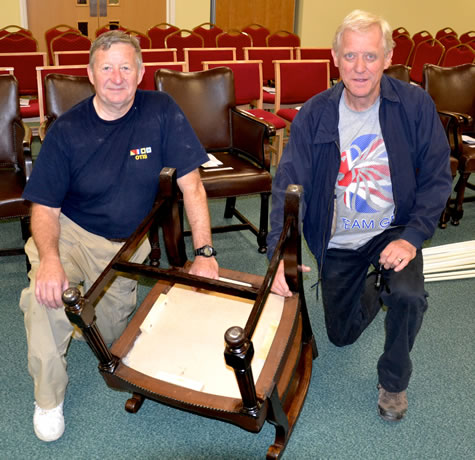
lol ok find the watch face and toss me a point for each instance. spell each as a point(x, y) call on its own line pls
point(208, 251)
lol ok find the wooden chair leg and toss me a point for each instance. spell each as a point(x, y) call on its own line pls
point(457, 212)
point(263, 223)
point(230, 207)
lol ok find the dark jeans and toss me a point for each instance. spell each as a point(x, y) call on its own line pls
point(351, 301)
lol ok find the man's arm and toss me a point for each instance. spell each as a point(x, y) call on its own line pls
point(196, 206)
point(51, 279)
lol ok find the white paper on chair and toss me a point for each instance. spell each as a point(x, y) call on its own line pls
point(183, 341)
point(213, 162)
point(468, 139)
point(24, 102)
point(269, 89)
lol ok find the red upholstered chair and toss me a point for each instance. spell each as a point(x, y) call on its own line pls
point(236, 39)
point(444, 32)
point(194, 57)
point(17, 42)
point(14, 28)
point(258, 34)
point(182, 39)
point(453, 92)
point(110, 26)
point(158, 32)
point(237, 139)
point(296, 82)
point(69, 41)
point(159, 55)
point(403, 47)
point(143, 39)
point(248, 94)
point(458, 55)
point(71, 57)
point(52, 33)
point(15, 161)
point(148, 80)
point(209, 32)
point(449, 41)
point(400, 31)
point(319, 53)
point(6, 70)
point(418, 38)
point(467, 36)
point(283, 38)
point(427, 52)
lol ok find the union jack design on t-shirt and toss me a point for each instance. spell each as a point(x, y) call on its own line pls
point(364, 174)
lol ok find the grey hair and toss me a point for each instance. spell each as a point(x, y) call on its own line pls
point(360, 21)
point(107, 39)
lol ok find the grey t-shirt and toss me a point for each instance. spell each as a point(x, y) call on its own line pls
point(363, 190)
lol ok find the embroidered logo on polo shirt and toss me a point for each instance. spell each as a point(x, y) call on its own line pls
point(141, 154)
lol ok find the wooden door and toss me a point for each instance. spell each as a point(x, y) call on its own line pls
point(273, 14)
point(138, 15)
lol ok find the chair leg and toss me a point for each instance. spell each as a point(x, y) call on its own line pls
point(26, 233)
point(155, 253)
point(263, 223)
point(457, 212)
point(230, 207)
point(445, 216)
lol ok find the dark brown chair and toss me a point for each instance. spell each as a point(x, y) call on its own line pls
point(399, 71)
point(453, 92)
point(15, 161)
point(61, 93)
point(235, 138)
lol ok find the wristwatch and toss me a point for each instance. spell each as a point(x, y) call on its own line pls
point(205, 251)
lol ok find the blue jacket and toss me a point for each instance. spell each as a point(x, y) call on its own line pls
point(418, 154)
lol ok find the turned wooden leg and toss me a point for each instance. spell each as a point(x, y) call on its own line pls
point(134, 403)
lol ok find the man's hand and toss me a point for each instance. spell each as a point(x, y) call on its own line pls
point(51, 281)
point(397, 255)
point(280, 286)
point(205, 266)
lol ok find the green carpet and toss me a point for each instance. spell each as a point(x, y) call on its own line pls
point(339, 419)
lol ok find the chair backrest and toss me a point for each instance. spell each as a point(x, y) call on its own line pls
point(444, 32)
point(159, 55)
point(24, 65)
point(467, 36)
point(11, 128)
point(458, 55)
point(451, 88)
point(427, 52)
point(449, 41)
point(298, 81)
point(195, 56)
point(14, 28)
point(418, 37)
point(399, 71)
point(54, 32)
point(247, 80)
point(400, 31)
point(143, 39)
point(258, 33)
point(403, 46)
point(109, 26)
point(18, 42)
point(182, 39)
point(69, 41)
point(63, 92)
point(158, 32)
point(148, 80)
point(80, 57)
point(206, 98)
point(209, 32)
point(236, 39)
point(268, 55)
point(42, 72)
point(283, 38)
point(319, 53)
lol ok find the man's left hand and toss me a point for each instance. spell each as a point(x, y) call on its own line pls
point(397, 255)
point(205, 266)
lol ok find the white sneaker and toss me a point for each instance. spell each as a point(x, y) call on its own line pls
point(48, 423)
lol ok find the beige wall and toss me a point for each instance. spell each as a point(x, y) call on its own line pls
point(10, 13)
point(318, 20)
point(191, 13)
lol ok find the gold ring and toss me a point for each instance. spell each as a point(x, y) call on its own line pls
point(400, 260)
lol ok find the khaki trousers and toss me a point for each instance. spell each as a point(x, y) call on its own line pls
point(48, 331)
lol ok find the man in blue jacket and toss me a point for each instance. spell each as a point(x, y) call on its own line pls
point(373, 159)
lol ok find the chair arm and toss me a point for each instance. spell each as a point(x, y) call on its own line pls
point(25, 160)
point(459, 118)
point(250, 136)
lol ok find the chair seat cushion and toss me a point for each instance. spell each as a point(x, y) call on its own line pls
point(11, 202)
point(30, 111)
point(268, 98)
point(244, 178)
point(269, 117)
point(288, 114)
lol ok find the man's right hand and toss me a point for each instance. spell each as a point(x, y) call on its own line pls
point(51, 281)
point(280, 286)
